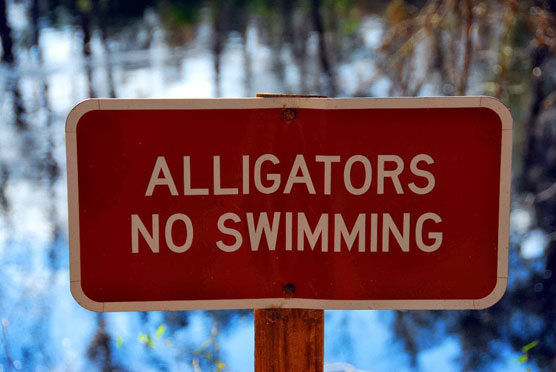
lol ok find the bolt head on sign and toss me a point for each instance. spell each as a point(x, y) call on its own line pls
point(319, 203)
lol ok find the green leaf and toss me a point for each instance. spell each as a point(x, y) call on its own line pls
point(160, 330)
point(146, 339)
point(119, 342)
point(84, 5)
point(220, 366)
point(529, 346)
point(522, 359)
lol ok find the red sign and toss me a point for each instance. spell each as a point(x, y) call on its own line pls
point(289, 202)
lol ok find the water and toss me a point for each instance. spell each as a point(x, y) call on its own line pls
point(67, 51)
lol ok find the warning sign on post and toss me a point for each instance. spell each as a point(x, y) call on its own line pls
point(289, 202)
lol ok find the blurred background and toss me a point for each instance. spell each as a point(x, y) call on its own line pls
point(56, 53)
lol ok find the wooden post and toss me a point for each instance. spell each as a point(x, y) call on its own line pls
point(289, 339)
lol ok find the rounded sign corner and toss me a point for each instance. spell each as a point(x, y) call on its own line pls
point(500, 109)
point(494, 296)
point(82, 299)
point(78, 111)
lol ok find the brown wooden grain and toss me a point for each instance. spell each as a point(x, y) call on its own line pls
point(289, 340)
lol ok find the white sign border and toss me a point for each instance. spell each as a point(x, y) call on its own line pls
point(288, 102)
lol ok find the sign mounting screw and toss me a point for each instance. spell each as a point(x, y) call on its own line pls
point(289, 289)
point(289, 115)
